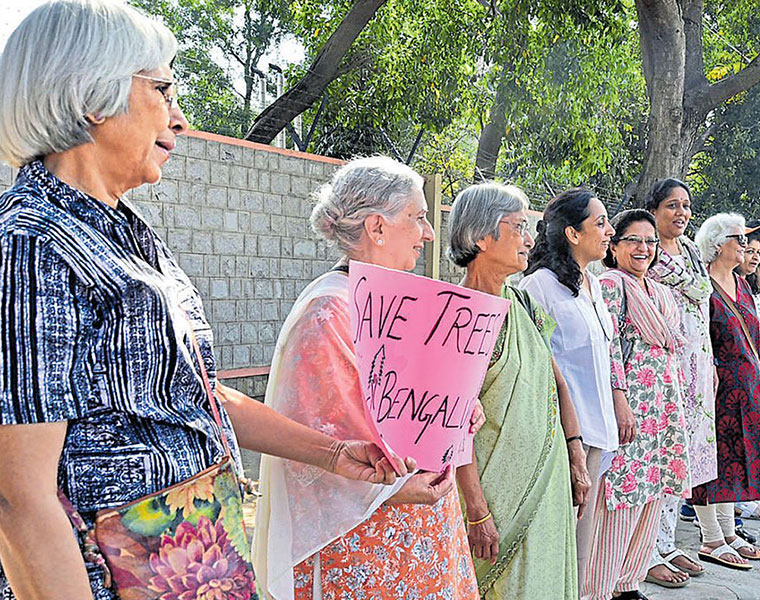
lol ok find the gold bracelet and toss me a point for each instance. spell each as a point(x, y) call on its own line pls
point(480, 521)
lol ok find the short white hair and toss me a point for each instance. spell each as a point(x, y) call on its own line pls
point(476, 213)
point(68, 59)
point(361, 188)
point(714, 233)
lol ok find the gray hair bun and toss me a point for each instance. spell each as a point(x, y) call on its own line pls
point(359, 189)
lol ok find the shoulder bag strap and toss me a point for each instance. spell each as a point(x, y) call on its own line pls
point(730, 303)
point(207, 385)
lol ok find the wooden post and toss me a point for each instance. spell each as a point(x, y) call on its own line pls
point(433, 249)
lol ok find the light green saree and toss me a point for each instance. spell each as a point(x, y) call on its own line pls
point(523, 465)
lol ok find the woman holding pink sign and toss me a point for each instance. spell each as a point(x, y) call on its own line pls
point(519, 490)
point(318, 536)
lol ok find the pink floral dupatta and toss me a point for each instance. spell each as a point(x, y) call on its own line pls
point(656, 315)
point(313, 380)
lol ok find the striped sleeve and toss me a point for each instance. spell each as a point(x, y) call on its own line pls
point(39, 327)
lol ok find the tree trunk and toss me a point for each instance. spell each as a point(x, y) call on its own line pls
point(321, 72)
point(680, 96)
point(663, 52)
point(493, 133)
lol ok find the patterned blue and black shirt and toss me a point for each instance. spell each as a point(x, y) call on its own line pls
point(94, 332)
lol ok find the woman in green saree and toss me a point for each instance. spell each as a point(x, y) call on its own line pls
point(529, 467)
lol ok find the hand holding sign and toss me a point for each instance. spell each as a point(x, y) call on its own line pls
point(423, 348)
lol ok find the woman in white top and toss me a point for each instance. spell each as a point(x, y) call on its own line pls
point(573, 233)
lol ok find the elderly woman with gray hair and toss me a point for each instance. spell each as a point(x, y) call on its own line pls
point(107, 388)
point(735, 337)
point(318, 536)
point(529, 464)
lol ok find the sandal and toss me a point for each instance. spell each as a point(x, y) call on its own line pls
point(664, 582)
point(668, 558)
point(747, 510)
point(714, 556)
point(740, 543)
point(630, 595)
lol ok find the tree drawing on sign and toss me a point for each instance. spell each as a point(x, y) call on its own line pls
point(376, 374)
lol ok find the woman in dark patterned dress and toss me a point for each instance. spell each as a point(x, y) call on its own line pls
point(735, 338)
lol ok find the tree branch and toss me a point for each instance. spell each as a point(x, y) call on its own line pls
point(693, 11)
point(322, 71)
point(710, 130)
point(708, 97)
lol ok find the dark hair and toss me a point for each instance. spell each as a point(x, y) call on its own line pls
point(751, 279)
point(552, 250)
point(661, 189)
point(621, 222)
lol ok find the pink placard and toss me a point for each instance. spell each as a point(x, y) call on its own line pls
point(423, 348)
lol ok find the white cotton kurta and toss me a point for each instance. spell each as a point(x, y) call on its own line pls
point(699, 395)
point(581, 346)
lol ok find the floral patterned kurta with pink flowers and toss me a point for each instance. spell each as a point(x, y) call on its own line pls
point(656, 461)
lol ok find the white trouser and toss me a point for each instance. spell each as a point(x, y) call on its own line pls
point(716, 521)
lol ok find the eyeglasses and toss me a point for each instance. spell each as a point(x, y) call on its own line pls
point(637, 239)
point(168, 89)
point(739, 237)
point(521, 228)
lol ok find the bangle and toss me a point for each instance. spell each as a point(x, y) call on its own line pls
point(480, 521)
point(572, 438)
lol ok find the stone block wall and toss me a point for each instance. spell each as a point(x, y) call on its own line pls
point(236, 216)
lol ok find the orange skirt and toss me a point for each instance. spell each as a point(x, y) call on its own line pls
point(409, 551)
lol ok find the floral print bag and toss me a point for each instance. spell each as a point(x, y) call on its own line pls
point(184, 541)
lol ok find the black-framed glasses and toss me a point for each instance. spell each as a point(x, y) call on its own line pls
point(637, 239)
point(739, 237)
point(168, 89)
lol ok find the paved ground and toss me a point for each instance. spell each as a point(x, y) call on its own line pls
point(718, 583)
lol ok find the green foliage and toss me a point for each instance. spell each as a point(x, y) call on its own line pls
point(220, 43)
point(413, 66)
point(725, 177)
point(579, 115)
point(569, 75)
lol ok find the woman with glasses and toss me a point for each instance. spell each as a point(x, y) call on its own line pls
point(747, 270)
point(652, 458)
point(528, 456)
point(101, 396)
point(573, 233)
point(680, 268)
point(735, 339)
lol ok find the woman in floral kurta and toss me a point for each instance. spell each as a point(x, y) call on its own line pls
point(652, 458)
point(402, 551)
point(656, 461)
point(681, 269)
point(735, 337)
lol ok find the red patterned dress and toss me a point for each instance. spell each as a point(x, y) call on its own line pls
point(737, 406)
